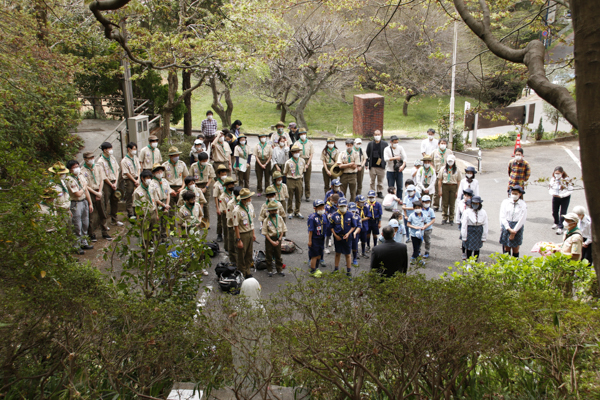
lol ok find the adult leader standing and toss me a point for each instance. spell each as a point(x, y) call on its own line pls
point(395, 157)
point(390, 256)
point(376, 162)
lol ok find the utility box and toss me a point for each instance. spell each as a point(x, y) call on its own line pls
point(368, 114)
point(138, 130)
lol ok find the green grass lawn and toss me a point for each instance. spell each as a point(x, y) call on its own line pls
point(328, 113)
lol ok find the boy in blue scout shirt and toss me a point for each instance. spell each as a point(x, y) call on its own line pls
point(317, 223)
point(356, 234)
point(407, 206)
point(363, 213)
point(416, 224)
point(374, 223)
point(429, 220)
point(342, 225)
point(335, 189)
point(330, 208)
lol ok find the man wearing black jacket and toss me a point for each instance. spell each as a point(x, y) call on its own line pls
point(389, 257)
point(376, 163)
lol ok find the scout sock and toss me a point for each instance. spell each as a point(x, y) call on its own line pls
point(515, 255)
point(362, 246)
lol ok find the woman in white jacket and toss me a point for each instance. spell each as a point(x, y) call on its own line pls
point(513, 213)
point(474, 227)
point(560, 188)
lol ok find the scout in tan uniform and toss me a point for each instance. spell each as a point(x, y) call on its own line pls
point(243, 223)
point(230, 229)
point(204, 173)
point(150, 154)
point(360, 168)
point(348, 161)
point(221, 152)
point(161, 193)
point(573, 239)
point(274, 230)
point(280, 188)
point(175, 173)
point(189, 215)
point(294, 171)
point(142, 197)
point(62, 201)
point(450, 178)
point(94, 175)
point(307, 153)
point(262, 152)
point(47, 207)
point(280, 133)
point(81, 204)
point(242, 158)
point(440, 156)
point(264, 213)
point(110, 167)
point(130, 165)
point(329, 157)
point(190, 185)
point(224, 198)
point(217, 190)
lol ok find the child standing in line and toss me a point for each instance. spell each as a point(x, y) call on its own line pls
point(429, 220)
point(335, 189)
point(317, 223)
point(356, 234)
point(460, 209)
point(229, 216)
point(274, 230)
point(468, 182)
point(474, 227)
point(375, 212)
point(271, 195)
point(330, 208)
point(342, 226)
point(391, 202)
point(416, 224)
point(363, 213)
point(280, 188)
point(407, 204)
point(413, 171)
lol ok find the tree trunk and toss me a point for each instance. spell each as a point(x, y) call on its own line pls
point(298, 113)
point(586, 15)
point(405, 105)
point(97, 107)
point(186, 83)
point(223, 113)
point(283, 113)
point(168, 108)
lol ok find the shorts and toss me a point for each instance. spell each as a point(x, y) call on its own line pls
point(374, 226)
point(316, 250)
point(342, 246)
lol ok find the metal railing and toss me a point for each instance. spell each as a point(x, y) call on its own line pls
point(478, 157)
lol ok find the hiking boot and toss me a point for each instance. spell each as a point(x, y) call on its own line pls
point(87, 247)
point(219, 238)
point(280, 274)
point(298, 215)
point(412, 261)
point(93, 238)
point(80, 252)
point(380, 195)
point(106, 236)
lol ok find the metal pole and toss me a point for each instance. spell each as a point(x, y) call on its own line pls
point(474, 142)
point(451, 133)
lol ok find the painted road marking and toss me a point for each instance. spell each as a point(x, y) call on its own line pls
point(575, 159)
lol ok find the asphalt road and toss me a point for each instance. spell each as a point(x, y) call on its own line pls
point(445, 249)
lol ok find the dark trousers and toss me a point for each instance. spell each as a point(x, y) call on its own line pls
point(471, 253)
point(260, 173)
point(111, 203)
point(416, 242)
point(283, 177)
point(98, 217)
point(587, 252)
point(326, 178)
point(359, 181)
point(244, 178)
point(223, 220)
point(395, 179)
point(348, 181)
point(307, 175)
point(244, 255)
point(173, 201)
point(208, 200)
point(273, 252)
point(449, 192)
point(231, 240)
point(437, 196)
point(128, 188)
point(559, 208)
point(295, 192)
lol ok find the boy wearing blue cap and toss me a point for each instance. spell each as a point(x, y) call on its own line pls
point(342, 225)
point(407, 203)
point(416, 223)
point(330, 208)
point(363, 212)
point(335, 189)
point(317, 223)
point(429, 220)
point(375, 212)
point(357, 232)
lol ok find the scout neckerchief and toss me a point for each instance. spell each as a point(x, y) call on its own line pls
point(151, 151)
point(571, 232)
point(303, 143)
point(320, 221)
point(201, 170)
point(426, 173)
point(109, 163)
point(449, 171)
point(62, 185)
point(349, 155)
point(330, 153)
point(371, 205)
point(160, 185)
point(362, 213)
point(262, 146)
point(341, 218)
point(243, 146)
point(274, 223)
point(278, 188)
point(77, 180)
point(442, 155)
point(146, 188)
point(220, 181)
point(514, 209)
point(174, 166)
point(133, 162)
point(91, 171)
point(191, 210)
point(247, 212)
point(297, 168)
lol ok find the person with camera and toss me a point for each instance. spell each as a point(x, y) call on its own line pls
point(395, 158)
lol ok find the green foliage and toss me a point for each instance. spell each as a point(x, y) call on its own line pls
point(500, 140)
point(443, 123)
point(160, 100)
point(539, 132)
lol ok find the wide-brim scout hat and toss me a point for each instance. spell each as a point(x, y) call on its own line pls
point(222, 168)
point(277, 175)
point(571, 217)
point(245, 193)
point(301, 130)
point(173, 151)
point(330, 140)
point(152, 138)
point(271, 190)
point(58, 168)
point(280, 124)
point(517, 187)
point(296, 147)
point(157, 167)
point(228, 180)
point(49, 193)
point(88, 154)
point(272, 206)
point(427, 158)
point(242, 136)
point(263, 134)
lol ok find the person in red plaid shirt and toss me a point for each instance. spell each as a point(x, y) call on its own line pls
point(518, 170)
point(209, 128)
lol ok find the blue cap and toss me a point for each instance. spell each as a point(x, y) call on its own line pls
point(371, 193)
point(318, 203)
point(394, 223)
point(336, 182)
point(342, 202)
point(352, 207)
point(476, 199)
point(361, 198)
point(471, 169)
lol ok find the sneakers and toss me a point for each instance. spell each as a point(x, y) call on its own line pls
point(327, 251)
point(451, 223)
point(380, 195)
point(413, 261)
point(106, 236)
point(464, 256)
point(87, 247)
point(280, 274)
point(307, 200)
point(355, 262)
point(117, 223)
point(80, 252)
point(204, 272)
point(219, 238)
point(258, 194)
point(290, 216)
point(298, 215)
point(408, 240)
point(554, 226)
point(368, 250)
point(132, 217)
point(364, 255)
point(436, 209)
point(270, 274)
point(444, 222)
point(426, 255)
point(93, 238)
point(559, 231)
point(316, 273)
point(106, 228)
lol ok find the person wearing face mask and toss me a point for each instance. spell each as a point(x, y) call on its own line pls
point(189, 217)
point(175, 172)
point(440, 156)
point(243, 223)
point(348, 161)
point(130, 165)
point(160, 191)
point(407, 203)
point(360, 168)
point(395, 158)
point(468, 182)
point(150, 155)
point(218, 188)
point(426, 177)
point(274, 230)
point(429, 221)
point(573, 239)
point(585, 227)
point(462, 205)
point(224, 199)
point(111, 170)
point(317, 223)
point(190, 186)
point(94, 175)
point(271, 195)
point(209, 128)
point(416, 226)
point(329, 157)
point(474, 227)
point(294, 171)
point(429, 145)
point(307, 155)
point(221, 152)
point(281, 153)
point(513, 213)
point(357, 233)
point(204, 175)
point(196, 150)
point(279, 133)
point(399, 233)
point(374, 212)
point(342, 225)
point(376, 162)
point(262, 153)
point(62, 202)
point(81, 204)
point(449, 188)
point(242, 157)
point(235, 128)
point(560, 188)
point(231, 204)
point(293, 133)
point(519, 170)
point(146, 200)
point(281, 190)
point(331, 206)
point(335, 189)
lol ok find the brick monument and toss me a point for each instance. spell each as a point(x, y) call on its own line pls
point(368, 114)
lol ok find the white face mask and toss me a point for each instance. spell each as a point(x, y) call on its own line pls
point(296, 155)
point(160, 175)
point(209, 117)
point(430, 137)
point(372, 199)
point(133, 152)
point(278, 182)
point(514, 197)
point(191, 186)
point(558, 176)
point(426, 165)
point(90, 162)
point(204, 163)
point(221, 139)
point(518, 157)
point(76, 171)
point(426, 205)
point(242, 142)
point(394, 145)
point(303, 137)
point(330, 145)
point(281, 144)
point(442, 146)
point(154, 144)
point(417, 211)
point(147, 182)
point(450, 162)
point(377, 138)
point(174, 159)
point(320, 212)
point(469, 176)
point(110, 152)
point(411, 193)
point(335, 188)
point(262, 139)
point(198, 148)
point(343, 209)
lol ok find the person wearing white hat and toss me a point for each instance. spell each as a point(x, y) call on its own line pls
point(450, 178)
point(399, 232)
point(407, 204)
point(585, 226)
point(573, 239)
point(196, 149)
point(360, 168)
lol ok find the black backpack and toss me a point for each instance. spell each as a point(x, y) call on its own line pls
point(260, 260)
point(229, 278)
point(214, 246)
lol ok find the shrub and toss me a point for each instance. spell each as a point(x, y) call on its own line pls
point(500, 140)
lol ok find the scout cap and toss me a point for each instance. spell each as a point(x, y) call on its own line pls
point(263, 134)
point(152, 138)
point(471, 169)
point(371, 193)
point(242, 136)
point(272, 205)
point(410, 188)
point(301, 130)
point(174, 151)
point(518, 187)
point(58, 168)
point(571, 217)
point(318, 203)
point(157, 166)
point(468, 191)
point(343, 202)
point(425, 198)
point(88, 154)
point(336, 182)
point(245, 193)
point(393, 223)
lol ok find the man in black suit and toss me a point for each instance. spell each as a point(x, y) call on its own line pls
point(376, 163)
point(389, 257)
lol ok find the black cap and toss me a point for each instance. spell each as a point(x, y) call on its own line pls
point(394, 137)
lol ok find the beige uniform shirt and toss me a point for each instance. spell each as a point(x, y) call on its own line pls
point(149, 156)
point(131, 166)
point(439, 159)
point(572, 245)
point(63, 200)
point(111, 169)
point(141, 198)
point(221, 152)
point(229, 213)
point(290, 170)
point(199, 196)
point(160, 190)
point(202, 173)
point(224, 199)
point(242, 153)
point(94, 176)
point(187, 218)
point(307, 149)
point(282, 192)
point(264, 213)
point(330, 158)
point(175, 174)
point(263, 152)
point(274, 227)
point(452, 178)
point(343, 158)
point(75, 184)
point(275, 138)
point(242, 219)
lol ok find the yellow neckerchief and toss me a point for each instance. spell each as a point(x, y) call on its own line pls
point(362, 212)
point(91, 170)
point(133, 162)
point(174, 166)
point(371, 205)
point(341, 219)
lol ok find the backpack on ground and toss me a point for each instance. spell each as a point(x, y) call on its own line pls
point(260, 260)
point(229, 278)
point(214, 246)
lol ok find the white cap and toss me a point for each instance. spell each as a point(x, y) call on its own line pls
point(410, 188)
point(426, 198)
point(394, 223)
point(358, 141)
point(197, 141)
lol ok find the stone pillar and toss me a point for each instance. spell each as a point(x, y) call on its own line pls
point(368, 114)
